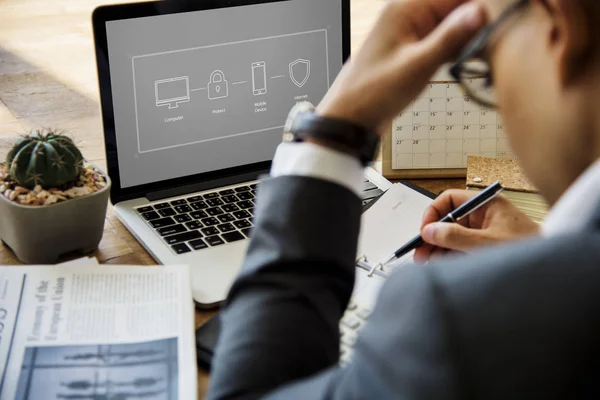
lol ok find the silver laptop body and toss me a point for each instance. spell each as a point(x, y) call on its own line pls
point(194, 96)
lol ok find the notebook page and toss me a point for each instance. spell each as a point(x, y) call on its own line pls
point(391, 222)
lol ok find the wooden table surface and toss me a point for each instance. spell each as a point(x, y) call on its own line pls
point(39, 89)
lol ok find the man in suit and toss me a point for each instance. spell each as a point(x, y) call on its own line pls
point(518, 320)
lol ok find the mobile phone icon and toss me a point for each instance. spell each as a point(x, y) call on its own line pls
point(259, 78)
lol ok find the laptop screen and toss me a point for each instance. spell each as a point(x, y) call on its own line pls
point(201, 91)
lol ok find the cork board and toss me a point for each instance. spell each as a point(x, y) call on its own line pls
point(489, 170)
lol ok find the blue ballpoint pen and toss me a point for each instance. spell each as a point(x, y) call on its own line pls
point(464, 210)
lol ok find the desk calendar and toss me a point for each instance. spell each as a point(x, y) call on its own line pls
point(440, 129)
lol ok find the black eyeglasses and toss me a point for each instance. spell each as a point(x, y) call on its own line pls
point(476, 78)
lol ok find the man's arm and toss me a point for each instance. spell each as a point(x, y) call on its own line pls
point(281, 320)
point(280, 336)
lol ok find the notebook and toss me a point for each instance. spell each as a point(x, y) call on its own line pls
point(391, 222)
point(394, 220)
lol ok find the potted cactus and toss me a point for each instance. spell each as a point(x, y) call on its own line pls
point(51, 201)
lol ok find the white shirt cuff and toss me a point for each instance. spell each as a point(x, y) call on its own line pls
point(308, 159)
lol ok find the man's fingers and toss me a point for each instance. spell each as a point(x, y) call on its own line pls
point(453, 236)
point(437, 254)
point(422, 253)
point(430, 216)
point(452, 35)
point(445, 203)
point(441, 8)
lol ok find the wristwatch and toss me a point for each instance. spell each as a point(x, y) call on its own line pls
point(303, 123)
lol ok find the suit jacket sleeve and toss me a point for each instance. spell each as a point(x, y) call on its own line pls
point(280, 334)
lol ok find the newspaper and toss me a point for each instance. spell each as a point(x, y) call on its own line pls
point(80, 262)
point(96, 332)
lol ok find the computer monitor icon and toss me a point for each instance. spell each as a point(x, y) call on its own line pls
point(172, 91)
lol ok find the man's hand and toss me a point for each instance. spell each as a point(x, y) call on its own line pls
point(498, 221)
point(409, 43)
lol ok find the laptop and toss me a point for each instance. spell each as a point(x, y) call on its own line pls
point(194, 96)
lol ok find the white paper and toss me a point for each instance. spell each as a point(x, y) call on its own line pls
point(81, 262)
point(98, 332)
point(391, 222)
point(394, 220)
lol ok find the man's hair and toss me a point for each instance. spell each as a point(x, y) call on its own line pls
point(592, 8)
point(592, 11)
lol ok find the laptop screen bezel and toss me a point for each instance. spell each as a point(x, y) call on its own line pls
point(100, 17)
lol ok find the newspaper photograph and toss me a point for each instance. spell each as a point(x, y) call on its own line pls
point(97, 333)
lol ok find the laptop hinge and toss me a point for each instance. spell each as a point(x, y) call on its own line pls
point(206, 185)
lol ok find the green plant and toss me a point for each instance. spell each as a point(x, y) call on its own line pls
point(44, 157)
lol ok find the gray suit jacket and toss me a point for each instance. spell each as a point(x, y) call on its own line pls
point(520, 321)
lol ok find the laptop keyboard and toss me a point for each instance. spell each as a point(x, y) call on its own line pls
point(212, 219)
point(353, 320)
point(202, 221)
point(369, 192)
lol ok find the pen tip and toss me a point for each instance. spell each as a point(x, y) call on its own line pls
point(389, 260)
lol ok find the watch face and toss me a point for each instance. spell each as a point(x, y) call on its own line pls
point(299, 108)
point(287, 137)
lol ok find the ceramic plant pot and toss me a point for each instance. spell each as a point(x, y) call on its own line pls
point(41, 234)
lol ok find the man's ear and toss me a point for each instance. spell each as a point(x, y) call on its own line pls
point(570, 38)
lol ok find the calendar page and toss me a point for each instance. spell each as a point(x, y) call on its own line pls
point(442, 127)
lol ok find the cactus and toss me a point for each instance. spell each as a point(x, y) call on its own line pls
point(45, 158)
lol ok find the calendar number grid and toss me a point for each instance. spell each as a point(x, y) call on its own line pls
point(442, 127)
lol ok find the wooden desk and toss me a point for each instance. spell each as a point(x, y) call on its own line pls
point(37, 88)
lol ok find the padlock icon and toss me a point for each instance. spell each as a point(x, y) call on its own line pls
point(218, 87)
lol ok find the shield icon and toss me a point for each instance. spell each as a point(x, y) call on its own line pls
point(300, 72)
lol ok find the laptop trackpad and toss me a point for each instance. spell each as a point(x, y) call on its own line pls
point(217, 265)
